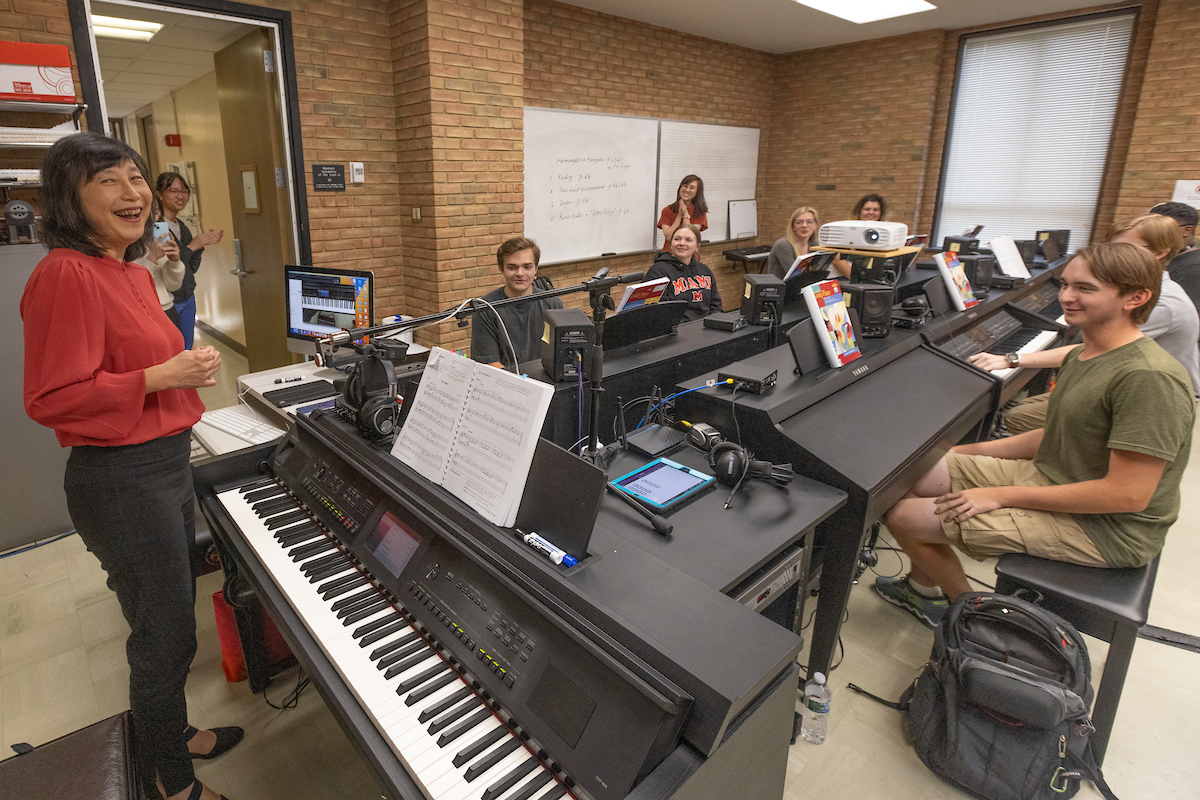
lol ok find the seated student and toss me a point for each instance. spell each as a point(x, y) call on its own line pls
point(518, 261)
point(1185, 267)
point(1098, 486)
point(689, 279)
point(801, 235)
point(689, 208)
point(1173, 323)
point(870, 206)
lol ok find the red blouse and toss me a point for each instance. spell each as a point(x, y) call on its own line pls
point(92, 326)
point(667, 218)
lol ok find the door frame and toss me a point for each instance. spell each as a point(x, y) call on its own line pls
point(280, 21)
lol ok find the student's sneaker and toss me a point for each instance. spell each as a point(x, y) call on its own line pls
point(899, 592)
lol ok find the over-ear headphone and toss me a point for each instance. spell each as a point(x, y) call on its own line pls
point(731, 464)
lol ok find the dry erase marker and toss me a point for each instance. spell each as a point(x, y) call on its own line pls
point(289, 380)
point(548, 550)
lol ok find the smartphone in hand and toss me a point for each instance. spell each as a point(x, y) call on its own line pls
point(160, 229)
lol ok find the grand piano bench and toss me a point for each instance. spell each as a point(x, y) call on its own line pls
point(95, 762)
point(1109, 604)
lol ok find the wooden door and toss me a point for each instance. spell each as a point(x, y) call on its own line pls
point(248, 95)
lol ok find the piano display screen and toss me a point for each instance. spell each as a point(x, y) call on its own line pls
point(393, 543)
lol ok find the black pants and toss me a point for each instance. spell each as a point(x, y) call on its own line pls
point(133, 508)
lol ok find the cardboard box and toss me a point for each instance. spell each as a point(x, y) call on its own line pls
point(36, 72)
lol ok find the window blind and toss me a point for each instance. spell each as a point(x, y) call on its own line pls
point(1033, 115)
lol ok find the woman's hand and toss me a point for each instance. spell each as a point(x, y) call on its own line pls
point(842, 265)
point(961, 506)
point(166, 246)
point(203, 240)
point(189, 369)
point(155, 251)
point(989, 361)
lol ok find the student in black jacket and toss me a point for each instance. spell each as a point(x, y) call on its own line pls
point(173, 195)
point(689, 279)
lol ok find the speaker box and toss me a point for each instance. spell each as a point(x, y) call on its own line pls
point(1028, 249)
point(979, 269)
point(873, 303)
point(762, 299)
point(960, 244)
point(1061, 239)
point(566, 345)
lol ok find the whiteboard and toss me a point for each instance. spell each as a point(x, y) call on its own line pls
point(743, 218)
point(589, 183)
point(725, 158)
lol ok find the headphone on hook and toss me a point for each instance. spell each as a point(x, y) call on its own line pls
point(731, 464)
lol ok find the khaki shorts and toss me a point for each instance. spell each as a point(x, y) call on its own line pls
point(1046, 534)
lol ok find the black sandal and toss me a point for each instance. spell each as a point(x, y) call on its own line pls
point(227, 739)
point(198, 787)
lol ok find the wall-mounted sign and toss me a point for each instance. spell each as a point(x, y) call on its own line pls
point(329, 177)
point(1187, 192)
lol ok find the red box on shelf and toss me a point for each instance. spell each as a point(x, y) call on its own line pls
point(36, 72)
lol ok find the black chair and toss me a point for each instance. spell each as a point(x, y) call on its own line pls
point(1109, 604)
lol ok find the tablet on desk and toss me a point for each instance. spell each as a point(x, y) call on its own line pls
point(663, 484)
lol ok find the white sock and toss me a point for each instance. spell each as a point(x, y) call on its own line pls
point(932, 592)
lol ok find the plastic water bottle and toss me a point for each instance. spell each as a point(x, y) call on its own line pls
point(815, 720)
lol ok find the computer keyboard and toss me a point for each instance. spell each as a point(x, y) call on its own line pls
point(241, 426)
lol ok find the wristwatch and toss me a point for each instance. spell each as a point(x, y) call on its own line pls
point(1013, 359)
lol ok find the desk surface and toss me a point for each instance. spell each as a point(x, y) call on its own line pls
point(717, 546)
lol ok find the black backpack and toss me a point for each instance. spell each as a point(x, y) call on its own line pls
point(1001, 709)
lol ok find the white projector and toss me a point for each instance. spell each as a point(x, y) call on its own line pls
point(863, 234)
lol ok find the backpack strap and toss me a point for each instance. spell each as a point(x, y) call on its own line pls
point(1083, 765)
point(902, 705)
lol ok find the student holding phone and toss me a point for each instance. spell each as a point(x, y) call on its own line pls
point(173, 194)
point(162, 260)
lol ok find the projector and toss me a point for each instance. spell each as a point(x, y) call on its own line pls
point(863, 234)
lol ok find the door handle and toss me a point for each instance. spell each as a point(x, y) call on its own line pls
point(237, 258)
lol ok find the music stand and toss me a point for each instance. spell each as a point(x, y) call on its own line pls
point(642, 323)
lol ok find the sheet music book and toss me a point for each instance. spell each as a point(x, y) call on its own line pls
point(473, 429)
point(1008, 257)
point(642, 294)
point(957, 285)
point(807, 262)
point(827, 305)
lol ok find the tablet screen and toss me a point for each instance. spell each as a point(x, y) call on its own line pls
point(661, 482)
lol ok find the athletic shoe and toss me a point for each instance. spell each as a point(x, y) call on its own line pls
point(899, 592)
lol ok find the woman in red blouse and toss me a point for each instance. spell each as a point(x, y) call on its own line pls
point(689, 208)
point(106, 369)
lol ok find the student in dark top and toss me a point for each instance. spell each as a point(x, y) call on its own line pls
point(689, 279)
point(518, 262)
point(1185, 267)
point(870, 206)
point(689, 208)
point(173, 195)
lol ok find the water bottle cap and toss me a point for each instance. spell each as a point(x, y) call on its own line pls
point(818, 677)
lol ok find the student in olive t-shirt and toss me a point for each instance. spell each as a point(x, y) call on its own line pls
point(518, 261)
point(1098, 486)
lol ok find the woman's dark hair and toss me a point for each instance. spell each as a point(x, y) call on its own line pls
point(699, 205)
point(69, 163)
point(870, 198)
point(165, 179)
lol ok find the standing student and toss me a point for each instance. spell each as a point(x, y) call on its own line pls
point(1173, 322)
point(801, 235)
point(689, 208)
point(173, 195)
point(689, 279)
point(518, 262)
point(107, 370)
point(870, 206)
point(1185, 267)
point(1098, 486)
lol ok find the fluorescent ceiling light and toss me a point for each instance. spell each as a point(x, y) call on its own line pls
point(861, 11)
point(116, 28)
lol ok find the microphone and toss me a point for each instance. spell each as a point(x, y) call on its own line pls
point(660, 524)
point(600, 273)
point(631, 277)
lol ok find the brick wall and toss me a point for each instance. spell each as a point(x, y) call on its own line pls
point(850, 120)
point(580, 59)
point(1165, 143)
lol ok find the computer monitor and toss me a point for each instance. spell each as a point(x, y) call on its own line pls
point(321, 301)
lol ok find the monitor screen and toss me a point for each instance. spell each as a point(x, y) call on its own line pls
point(321, 301)
point(393, 543)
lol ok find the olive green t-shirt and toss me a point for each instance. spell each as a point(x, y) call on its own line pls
point(1137, 398)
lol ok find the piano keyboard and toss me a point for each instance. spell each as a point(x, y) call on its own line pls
point(451, 741)
point(328, 303)
point(999, 333)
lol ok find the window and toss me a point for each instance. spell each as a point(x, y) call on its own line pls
point(1033, 115)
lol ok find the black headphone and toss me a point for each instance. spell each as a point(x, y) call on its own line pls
point(731, 464)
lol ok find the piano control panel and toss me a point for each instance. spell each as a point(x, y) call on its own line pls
point(344, 500)
point(1043, 301)
point(982, 336)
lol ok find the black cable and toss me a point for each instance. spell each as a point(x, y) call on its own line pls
point(292, 698)
point(737, 426)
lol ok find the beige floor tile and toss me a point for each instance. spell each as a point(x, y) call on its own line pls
point(112, 693)
point(69, 712)
point(39, 685)
point(107, 656)
point(24, 612)
point(32, 571)
point(30, 647)
point(102, 619)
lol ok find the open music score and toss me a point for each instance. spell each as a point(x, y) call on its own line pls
point(473, 429)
